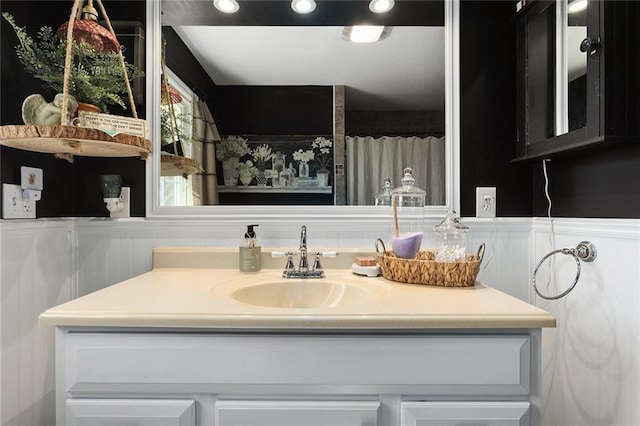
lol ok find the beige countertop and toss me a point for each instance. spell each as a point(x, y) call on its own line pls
point(188, 297)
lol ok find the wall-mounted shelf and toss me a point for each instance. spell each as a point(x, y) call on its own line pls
point(68, 141)
point(175, 165)
point(274, 190)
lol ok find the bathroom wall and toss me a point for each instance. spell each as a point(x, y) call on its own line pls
point(36, 272)
point(591, 361)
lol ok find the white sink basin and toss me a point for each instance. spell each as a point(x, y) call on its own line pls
point(302, 293)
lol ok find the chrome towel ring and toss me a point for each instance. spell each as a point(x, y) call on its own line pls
point(585, 251)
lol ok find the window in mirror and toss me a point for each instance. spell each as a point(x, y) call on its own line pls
point(176, 190)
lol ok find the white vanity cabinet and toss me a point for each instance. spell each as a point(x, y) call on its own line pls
point(156, 376)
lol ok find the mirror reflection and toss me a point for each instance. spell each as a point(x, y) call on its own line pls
point(277, 113)
point(576, 70)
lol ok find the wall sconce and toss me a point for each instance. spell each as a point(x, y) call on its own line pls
point(226, 6)
point(303, 6)
point(114, 195)
point(381, 6)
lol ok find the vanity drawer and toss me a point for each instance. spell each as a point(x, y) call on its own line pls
point(476, 413)
point(284, 363)
point(296, 413)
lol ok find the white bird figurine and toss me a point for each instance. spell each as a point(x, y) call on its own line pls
point(36, 110)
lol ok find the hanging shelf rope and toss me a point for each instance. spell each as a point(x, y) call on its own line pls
point(65, 141)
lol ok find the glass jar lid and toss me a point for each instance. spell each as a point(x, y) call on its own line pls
point(450, 224)
point(408, 194)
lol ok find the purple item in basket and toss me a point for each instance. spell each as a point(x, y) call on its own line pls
point(407, 245)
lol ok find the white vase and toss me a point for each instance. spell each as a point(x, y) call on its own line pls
point(323, 178)
point(303, 170)
point(246, 179)
point(229, 171)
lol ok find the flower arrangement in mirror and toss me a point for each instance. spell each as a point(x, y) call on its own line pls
point(261, 155)
point(246, 172)
point(229, 150)
point(303, 157)
point(231, 147)
point(324, 157)
point(96, 77)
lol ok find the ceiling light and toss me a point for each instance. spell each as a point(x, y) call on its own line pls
point(226, 6)
point(365, 33)
point(381, 6)
point(577, 6)
point(303, 6)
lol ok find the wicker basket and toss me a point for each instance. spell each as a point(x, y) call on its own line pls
point(423, 269)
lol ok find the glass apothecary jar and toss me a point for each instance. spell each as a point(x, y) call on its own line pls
point(407, 205)
point(451, 239)
point(384, 197)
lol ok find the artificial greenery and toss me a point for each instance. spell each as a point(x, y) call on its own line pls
point(182, 121)
point(96, 77)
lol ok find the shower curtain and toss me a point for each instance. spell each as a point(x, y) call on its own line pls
point(371, 160)
point(205, 134)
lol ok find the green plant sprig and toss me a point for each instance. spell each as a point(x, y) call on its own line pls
point(95, 77)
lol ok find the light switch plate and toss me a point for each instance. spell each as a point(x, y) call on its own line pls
point(14, 206)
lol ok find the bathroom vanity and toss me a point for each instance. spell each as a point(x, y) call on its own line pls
point(192, 345)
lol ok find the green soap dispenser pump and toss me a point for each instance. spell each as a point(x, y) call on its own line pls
point(250, 252)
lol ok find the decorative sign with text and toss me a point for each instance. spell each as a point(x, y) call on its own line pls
point(113, 124)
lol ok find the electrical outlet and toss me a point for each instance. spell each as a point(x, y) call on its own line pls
point(486, 202)
point(14, 206)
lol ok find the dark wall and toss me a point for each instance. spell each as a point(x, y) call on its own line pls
point(69, 189)
point(487, 109)
point(602, 183)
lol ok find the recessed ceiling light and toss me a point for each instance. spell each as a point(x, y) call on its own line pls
point(226, 6)
point(365, 33)
point(577, 6)
point(303, 6)
point(381, 6)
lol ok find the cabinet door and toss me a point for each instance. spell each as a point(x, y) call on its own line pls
point(465, 414)
point(131, 412)
point(559, 69)
point(296, 413)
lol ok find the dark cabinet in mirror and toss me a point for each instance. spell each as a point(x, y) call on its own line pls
point(577, 75)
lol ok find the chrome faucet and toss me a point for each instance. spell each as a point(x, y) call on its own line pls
point(303, 270)
point(304, 263)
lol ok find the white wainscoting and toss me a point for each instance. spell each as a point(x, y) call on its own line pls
point(36, 269)
point(112, 251)
point(591, 361)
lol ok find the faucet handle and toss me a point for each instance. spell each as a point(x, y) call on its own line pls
point(327, 253)
point(281, 253)
point(289, 266)
point(316, 263)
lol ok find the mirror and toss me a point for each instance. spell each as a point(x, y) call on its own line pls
point(573, 84)
point(361, 104)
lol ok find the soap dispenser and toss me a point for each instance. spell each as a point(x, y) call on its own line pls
point(250, 252)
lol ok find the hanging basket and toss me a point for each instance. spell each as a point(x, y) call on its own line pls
point(169, 95)
point(66, 141)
